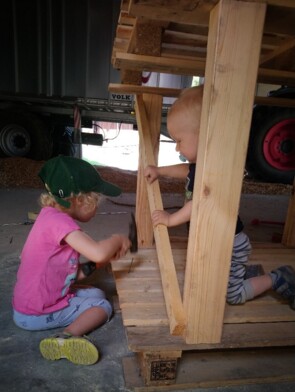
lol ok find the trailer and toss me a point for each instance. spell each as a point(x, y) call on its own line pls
point(54, 74)
point(57, 63)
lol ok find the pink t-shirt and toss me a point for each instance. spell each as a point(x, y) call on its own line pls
point(48, 265)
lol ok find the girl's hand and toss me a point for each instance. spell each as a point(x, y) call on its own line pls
point(160, 217)
point(151, 173)
point(100, 252)
point(123, 248)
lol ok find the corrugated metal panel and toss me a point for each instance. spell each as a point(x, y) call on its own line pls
point(57, 48)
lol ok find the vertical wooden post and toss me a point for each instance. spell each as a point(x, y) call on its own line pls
point(153, 106)
point(289, 229)
point(234, 41)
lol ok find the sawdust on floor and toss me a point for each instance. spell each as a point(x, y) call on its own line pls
point(23, 173)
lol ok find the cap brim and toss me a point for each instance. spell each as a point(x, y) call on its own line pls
point(109, 189)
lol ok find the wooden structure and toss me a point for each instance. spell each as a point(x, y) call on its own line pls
point(168, 308)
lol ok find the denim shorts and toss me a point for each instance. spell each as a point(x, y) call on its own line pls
point(83, 300)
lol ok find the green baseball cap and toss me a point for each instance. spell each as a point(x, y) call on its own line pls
point(65, 175)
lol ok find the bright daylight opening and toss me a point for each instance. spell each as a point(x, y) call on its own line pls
point(120, 147)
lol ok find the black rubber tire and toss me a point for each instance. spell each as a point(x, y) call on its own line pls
point(260, 164)
point(24, 135)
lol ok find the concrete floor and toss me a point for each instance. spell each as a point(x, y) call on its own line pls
point(22, 368)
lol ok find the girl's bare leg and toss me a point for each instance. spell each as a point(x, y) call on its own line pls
point(87, 321)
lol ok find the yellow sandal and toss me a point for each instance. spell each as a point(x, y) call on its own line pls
point(76, 349)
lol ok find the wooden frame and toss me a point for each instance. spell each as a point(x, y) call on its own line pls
point(161, 325)
point(235, 34)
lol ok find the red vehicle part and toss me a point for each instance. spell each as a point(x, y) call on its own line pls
point(271, 150)
point(279, 145)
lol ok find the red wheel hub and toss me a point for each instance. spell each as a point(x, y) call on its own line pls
point(279, 145)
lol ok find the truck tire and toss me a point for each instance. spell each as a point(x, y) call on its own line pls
point(271, 151)
point(24, 135)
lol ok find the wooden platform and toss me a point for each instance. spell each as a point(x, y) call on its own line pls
point(265, 323)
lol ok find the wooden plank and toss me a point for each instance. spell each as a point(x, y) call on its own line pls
point(220, 369)
point(154, 314)
point(142, 297)
point(289, 44)
point(142, 305)
point(171, 290)
point(159, 64)
point(191, 67)
point(124, 33)
point(125, 5)
point(137, 296)
point(231, 69)
point(174, 92)
point(126, 19)
point(180, 52)
point(137, 316)
point(255, 312)
point(272, 101)
point(274, 76)
point(143, 275)
point(268, 253)
point(178, 11)
point(153, 107)
point(254, 335)
point(289, 229)
point(131, 89)
point(185, 39)
point(133, 286)
point(274, 260)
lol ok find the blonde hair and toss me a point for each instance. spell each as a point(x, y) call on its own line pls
point(90, 200)
point(189, 103)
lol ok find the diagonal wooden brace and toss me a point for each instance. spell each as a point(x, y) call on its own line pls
point(170, 284)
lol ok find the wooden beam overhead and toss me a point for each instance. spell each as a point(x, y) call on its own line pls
point(174, 92)
point(179, 11)
point(159, 64)
point(192, 67)
point(184, 25)
point(133, 89)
